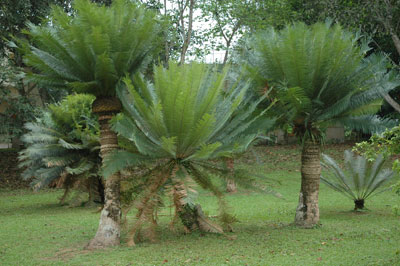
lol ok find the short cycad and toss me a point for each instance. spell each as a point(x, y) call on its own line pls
point(363, 179)
point(182, 123)
point(62, 147)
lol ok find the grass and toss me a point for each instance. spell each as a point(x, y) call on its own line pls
point(35, 230)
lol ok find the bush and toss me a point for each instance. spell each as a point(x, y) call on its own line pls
point(363, 179)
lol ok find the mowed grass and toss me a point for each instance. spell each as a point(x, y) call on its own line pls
point(35, 230)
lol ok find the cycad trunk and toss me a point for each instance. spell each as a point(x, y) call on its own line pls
point(230, 183)
point(307, 212)
point(191, 215)
point(108, 232)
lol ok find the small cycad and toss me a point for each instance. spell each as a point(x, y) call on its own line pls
point(363, 179)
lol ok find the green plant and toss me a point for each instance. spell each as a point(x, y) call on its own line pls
point(363, 179)
point(62, 148)
point(179, 127)
point(90, 52)
point(320, 76)
point(18, 108)
point(387, 144)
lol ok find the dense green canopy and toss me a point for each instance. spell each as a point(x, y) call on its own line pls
point(321, 77)
point(92, 50)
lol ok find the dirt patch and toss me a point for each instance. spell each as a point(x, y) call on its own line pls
point(10, 174)
point(66, 254)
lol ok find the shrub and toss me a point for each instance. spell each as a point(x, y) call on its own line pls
point(62, 147)
point(363, 179)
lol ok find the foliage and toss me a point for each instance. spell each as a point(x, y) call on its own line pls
point(18, 108)
point(363, 180)
point(388, 144)
point(90, 51)
point(62, 145)
point(321, 78)
point(377, 19)
point(187, 118)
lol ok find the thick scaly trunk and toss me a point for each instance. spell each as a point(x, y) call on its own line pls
point(108, 232)
point(191, 215)
point(230, 183)
point(307, 212)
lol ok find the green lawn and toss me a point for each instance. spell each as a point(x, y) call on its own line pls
point(35, 230)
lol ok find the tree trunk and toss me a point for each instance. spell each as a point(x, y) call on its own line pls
point(186, 35)
point(108, 232)
point(191, 215)
point(307, 212)
point(396, 41)
point(359, 204)
point(230, 183)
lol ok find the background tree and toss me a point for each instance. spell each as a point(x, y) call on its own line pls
point(228, 21)
point(321, 78)
point(377, 19)
point(90, 52)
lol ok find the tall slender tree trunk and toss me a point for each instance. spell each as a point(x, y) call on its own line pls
point(108, 232)
point(307, 212)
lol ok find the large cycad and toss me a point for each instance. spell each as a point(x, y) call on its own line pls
point(181, 125)
point(321, 78)
point(90, 51)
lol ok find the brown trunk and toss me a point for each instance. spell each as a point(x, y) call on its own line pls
point(186, 35)
point(191, 215)
point(307, 212)
point(359, 204)
point(108, 232)
point(396, 41)
point(230, 183)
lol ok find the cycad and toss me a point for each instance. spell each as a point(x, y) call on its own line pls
point(321, 78)
point(89, 52)
point(62, 147)
point(183, 123)
point(363, 179)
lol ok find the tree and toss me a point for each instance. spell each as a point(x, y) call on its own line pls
point(179, 127)
point(228, 20)
point(321, 78)
point(62, 148)
point(90, 53)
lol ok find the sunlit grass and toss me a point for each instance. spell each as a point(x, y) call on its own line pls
point(35, 230)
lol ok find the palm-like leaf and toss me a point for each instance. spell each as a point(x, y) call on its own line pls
point(91, 50)
point(181, 121)
point(363, 179)
point(321, 77)
point(62, 144)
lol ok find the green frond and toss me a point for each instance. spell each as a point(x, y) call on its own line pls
point(63, 140)
point(91, 51)
point(320, 76)
point(364, 179)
